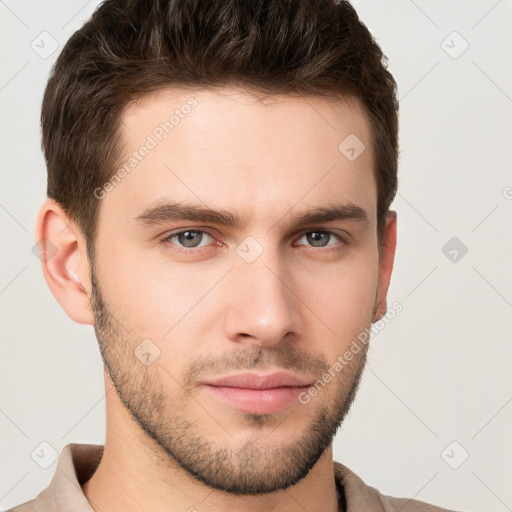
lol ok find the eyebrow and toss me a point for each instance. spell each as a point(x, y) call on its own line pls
point(173, 211)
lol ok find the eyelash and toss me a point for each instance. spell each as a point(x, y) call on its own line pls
point(166, 241)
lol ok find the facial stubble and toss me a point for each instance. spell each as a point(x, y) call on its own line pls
point(178, 441)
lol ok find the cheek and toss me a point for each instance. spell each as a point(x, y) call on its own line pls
point(156, 297)
point(342, 297)
point(169, 301)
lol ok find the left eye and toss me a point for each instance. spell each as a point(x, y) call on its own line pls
point(318, 238)
point(193, 238)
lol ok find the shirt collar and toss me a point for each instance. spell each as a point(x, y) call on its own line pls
point(76, 464)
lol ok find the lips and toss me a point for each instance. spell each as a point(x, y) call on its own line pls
point(255, 381)
point(260, 394)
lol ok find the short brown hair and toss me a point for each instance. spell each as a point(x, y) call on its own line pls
point(130, 48)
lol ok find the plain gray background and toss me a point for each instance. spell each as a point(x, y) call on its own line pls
point(437, 388)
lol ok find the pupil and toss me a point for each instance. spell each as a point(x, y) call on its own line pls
point(316, 236)
point(189, 235)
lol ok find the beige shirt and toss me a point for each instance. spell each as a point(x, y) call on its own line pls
point(77, 463)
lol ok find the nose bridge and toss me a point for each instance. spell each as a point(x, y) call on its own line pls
point(262, 306)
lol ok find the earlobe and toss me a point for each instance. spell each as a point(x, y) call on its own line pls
point(62, 250)
point(386, 260)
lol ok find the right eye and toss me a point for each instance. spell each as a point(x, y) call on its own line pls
point(187, 238)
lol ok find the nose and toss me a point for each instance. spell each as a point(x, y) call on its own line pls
point(263, 305)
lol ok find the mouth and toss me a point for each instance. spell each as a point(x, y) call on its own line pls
point(260, 401)
point(260, 394)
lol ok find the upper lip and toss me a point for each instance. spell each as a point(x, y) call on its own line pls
point(255, 381)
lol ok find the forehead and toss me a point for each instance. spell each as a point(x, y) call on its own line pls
point(231, 149)
point(225, 110)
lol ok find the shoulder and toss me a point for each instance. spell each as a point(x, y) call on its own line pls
point(76, 464)
point(360, 496)
point(408, 505)
point(28, 506)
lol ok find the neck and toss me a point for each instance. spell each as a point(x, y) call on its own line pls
point(141, 478)
point(136, 474)
point(133, 483)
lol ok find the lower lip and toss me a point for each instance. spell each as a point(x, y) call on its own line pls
point(260, 401)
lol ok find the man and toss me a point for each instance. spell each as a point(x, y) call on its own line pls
point(219, 181)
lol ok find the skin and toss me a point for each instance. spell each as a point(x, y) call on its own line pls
point(169, 444)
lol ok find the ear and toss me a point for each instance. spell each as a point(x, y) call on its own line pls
point(63, 255)
point(386, 260)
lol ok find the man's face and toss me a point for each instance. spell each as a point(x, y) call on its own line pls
point(176, 310)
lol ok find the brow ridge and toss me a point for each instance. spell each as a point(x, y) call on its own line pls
point(173, 211)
